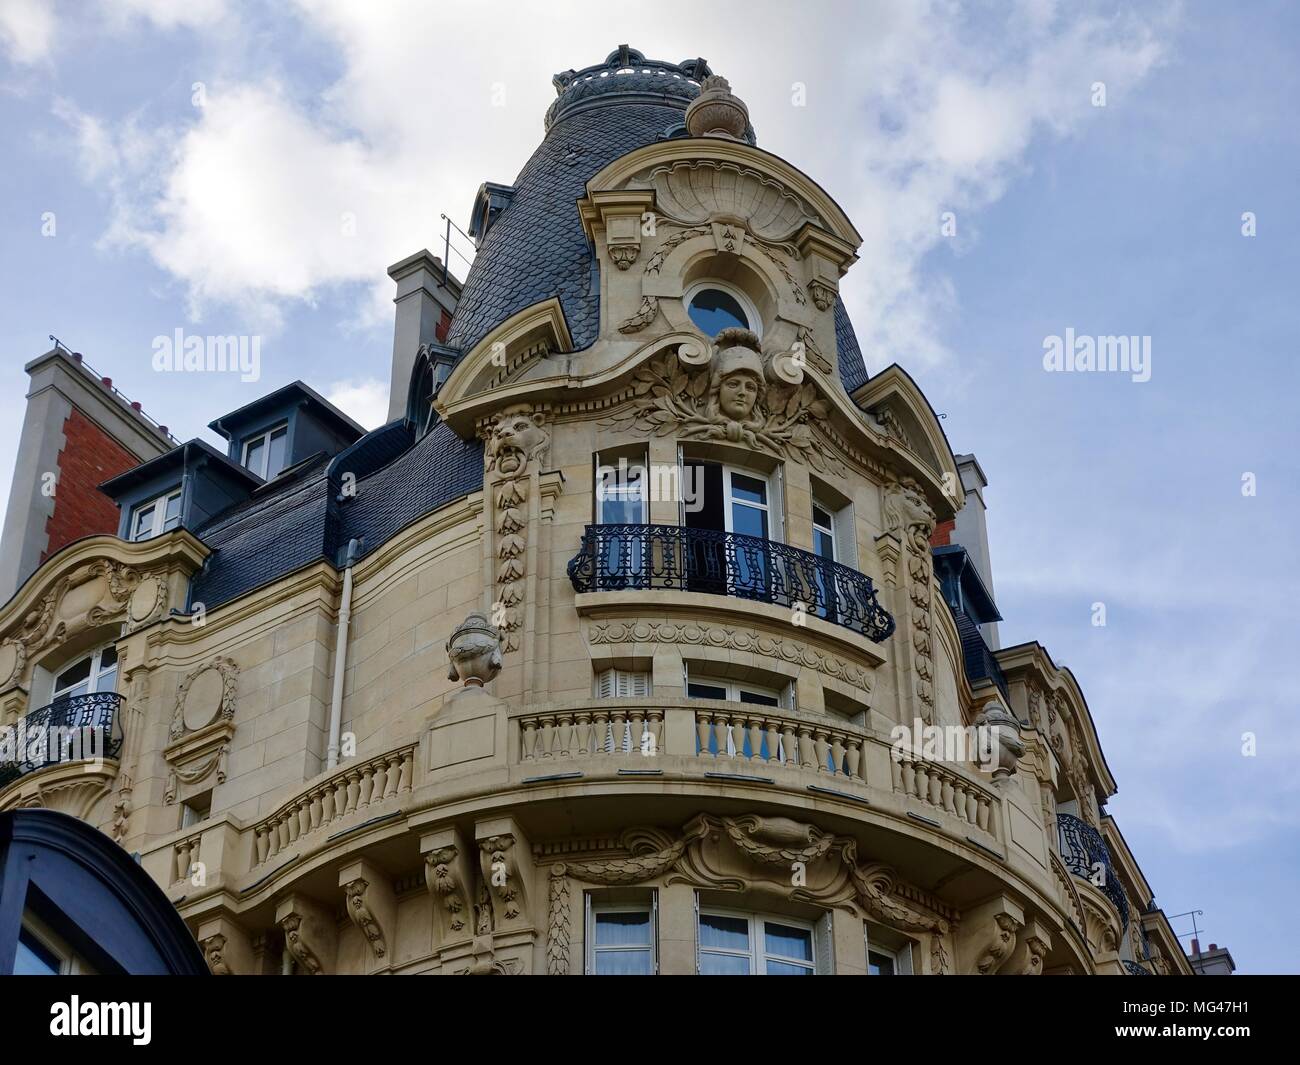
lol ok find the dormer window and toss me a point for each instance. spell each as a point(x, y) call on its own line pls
point(714, 306)
point(264, 454)
point(157, 516)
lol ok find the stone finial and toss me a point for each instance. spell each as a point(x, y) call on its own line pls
point(474, 652)
point(716, 112)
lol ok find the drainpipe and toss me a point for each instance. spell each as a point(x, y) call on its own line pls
point(340, 655)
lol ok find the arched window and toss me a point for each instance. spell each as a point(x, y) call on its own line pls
point(714, 306)
point(419, 407)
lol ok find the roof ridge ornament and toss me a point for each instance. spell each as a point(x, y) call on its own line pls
point(717, 111)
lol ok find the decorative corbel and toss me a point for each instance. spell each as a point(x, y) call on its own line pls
point(370, 904)
point(227, 948)
point(1032, 945)
point(310, 934)
point(507, 866)
point(990, 934)
point(450, 879)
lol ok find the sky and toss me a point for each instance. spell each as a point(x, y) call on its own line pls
point(1019, 171)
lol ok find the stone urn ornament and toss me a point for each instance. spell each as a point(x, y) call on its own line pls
point(474, 652)
point(1005, 747)
point(717, 112)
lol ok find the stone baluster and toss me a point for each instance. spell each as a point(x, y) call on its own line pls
point(600, 732)
point(788, 744)
point(394, 775)
point(527, 739)
point(807, 753)
point(772, 727)
point(702, 732)
point(381, 780)
point(837, 752)
point(756, 738)
point(638, 731)
point(823, 749)
point(620, 730)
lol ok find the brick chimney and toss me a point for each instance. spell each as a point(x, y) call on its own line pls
point(426, 300)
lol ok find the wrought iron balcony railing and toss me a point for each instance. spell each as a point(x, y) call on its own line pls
point(1086, 855)
point(621, 557)
point(74, 728)
point(1132, 968)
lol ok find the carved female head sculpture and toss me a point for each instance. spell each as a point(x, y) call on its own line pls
point(739, 382)
point(474, 652)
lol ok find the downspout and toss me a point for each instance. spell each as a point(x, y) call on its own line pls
point(340, 655)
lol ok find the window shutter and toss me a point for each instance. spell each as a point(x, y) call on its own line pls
point(846, 542)
point(696, 896)
point(824, 946)
point(681, 486)
point(605, 684)
point(588, 936)
point(654, 930)
point(776, 505)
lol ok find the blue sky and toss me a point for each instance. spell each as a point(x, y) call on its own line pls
point(227, 218)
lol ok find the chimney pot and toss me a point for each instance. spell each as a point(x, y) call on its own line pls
point(107, 382)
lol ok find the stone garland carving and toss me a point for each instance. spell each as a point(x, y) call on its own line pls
point(500, 871)
point(442, 881)
point(766, 251)
point(194, 773)
point(732, 639)
point(649, 307)
point(909, 515)
point(362, 916)
point(775, 842)
point(736, 395)
point(557, 943)
point(229, 672)
point(514, 442)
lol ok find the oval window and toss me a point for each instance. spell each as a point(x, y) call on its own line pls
point(714, 309)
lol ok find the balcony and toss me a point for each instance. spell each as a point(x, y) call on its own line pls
point(72, 729)
point(674, 557)
point(1087, 857)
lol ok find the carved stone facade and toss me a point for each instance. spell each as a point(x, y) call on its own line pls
point(521, 751)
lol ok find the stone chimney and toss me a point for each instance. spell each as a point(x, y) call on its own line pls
point(78, 432)
point(426, 299)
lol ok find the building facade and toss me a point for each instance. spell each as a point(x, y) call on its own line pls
point(652, 635)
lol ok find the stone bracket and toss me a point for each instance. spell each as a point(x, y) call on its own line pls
point(371, 905)
point(310, 933)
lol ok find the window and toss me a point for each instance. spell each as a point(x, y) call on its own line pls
point(423, 386)
point(744, 503)
point(41, 952)
point(714, 306)
point(621, 500)
point(157, 516)
point(96, 672)
point(738, 737)
point(622, 684)
point(745, 944)
point(264, 454)
point(888, 952)
point(621, 940)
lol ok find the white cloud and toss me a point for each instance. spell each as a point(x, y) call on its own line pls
point(26, 30)
point(913, 112)
point(365, 401)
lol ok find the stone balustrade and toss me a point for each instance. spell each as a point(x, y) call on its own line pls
point(185, 853)
point(946, 788)
point(595, 731)
point(354, 786)
point(761, 734)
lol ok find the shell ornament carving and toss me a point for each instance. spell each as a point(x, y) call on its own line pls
point(692, 192)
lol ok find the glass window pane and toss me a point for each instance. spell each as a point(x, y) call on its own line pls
point(623, 929)
point(781, 968)
point(788, 942)
point(713, 310)
point(824, 544)
point(623, 963)
point(729, 933)
point(108, 658)
point(172, 516)
point(34, 958)
point(75, 674)
point(143, 522)
point(879, 964)
point(759, 698)
point(748, 521)
point(695, 690)
point(275, 459)
point(820, 517)
point(254, 456)
point(724, 964)
point(749, 489)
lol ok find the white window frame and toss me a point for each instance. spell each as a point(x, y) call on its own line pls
point(594, 908)
point(158, 518)
point(96, 671)
point(746, 304)
point(900, 956)
point(265, 438)
point(757, 953)
point(733, 689)
point(70, 963)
